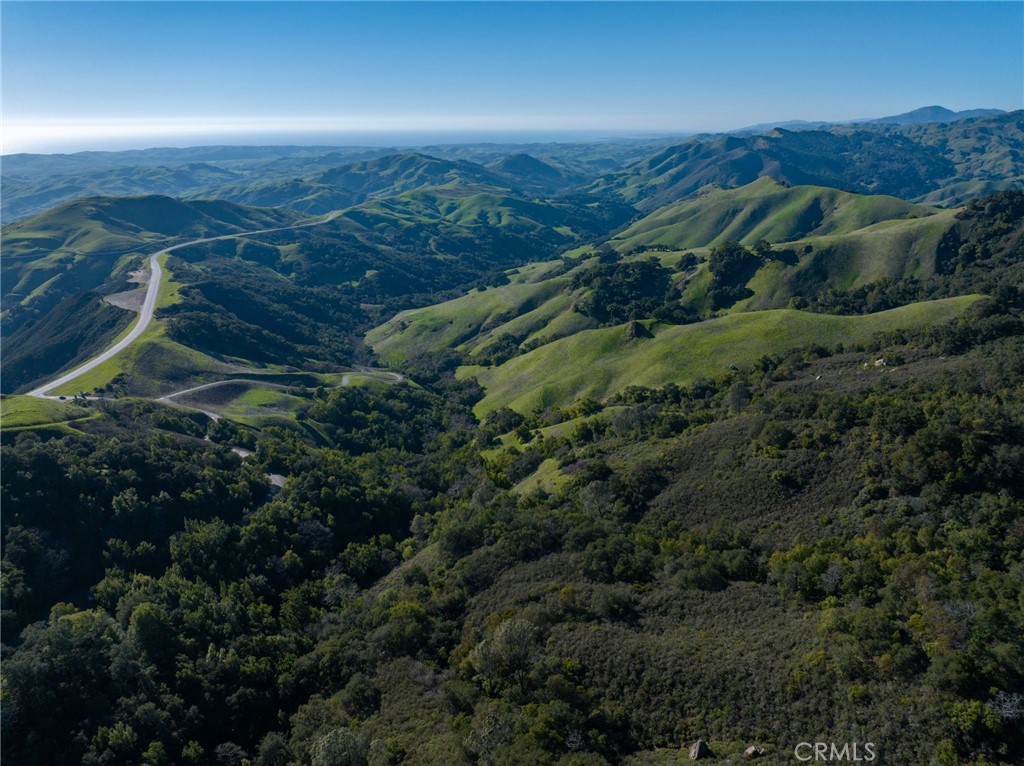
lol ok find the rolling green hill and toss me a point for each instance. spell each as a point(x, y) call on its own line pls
point(295, 297)
point(534, 343)
point(84, 244)
point(891, 249)
point(101, 225)
point(388, 176)
point(533, 301)
point(528, 173)
point(869, 238)
point(988, 154)
point(862, 161)
point(598, 363)
point(763, 209)
point(480, 207)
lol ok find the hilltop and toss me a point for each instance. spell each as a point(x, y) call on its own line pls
point(933, 114)
point(763, 209)
point(924, 114)
point(350, 185)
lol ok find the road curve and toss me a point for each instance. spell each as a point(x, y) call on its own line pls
point(149, 305)
point(384, 376)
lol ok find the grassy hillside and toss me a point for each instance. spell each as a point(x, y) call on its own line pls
point(763, 209)
point(861, 161)
point(531, 302)
point(487, 208)
point(890, 249)
point(102, 224)
point(538, 302)
point(18, 413)
point(598, 363)
point(988, 153)
point(409, 248)
point(88, 243)
point(527, 173)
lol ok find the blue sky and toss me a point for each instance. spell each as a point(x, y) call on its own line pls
point(111, 75)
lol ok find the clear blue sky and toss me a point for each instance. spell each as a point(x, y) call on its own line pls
point(80, 74)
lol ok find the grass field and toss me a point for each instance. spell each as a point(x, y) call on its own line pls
point(253, 397)
point(600, 362)
point(456, 322)
point(256, 401)
point(27, 412)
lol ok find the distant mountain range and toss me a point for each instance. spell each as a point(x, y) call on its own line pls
point(349, 185)
point(931, 155)
point(915, 117)
point(927, 162)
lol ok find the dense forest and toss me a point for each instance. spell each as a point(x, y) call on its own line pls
point(515, 628)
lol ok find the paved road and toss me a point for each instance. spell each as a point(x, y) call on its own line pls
point(385, 376)
point(146, 315)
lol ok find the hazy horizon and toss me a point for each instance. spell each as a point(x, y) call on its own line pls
point(341, 139)
point(108, 76)
point(326, 139)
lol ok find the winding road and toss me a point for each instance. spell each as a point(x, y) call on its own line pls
point(385, 376)
point(149, 305)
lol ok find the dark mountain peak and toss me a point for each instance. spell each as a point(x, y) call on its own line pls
point(934, 113)
point(522, 165)
point(403, 164)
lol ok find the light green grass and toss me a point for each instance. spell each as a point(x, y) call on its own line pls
point(27, 412)
point(534, 305)
point(455, 322)
point(260, 401)
point(363, 380)
point(157, 365)
point(252, 397)
point(764, 209)
point(600, 362)
point(890, 249)
point(547, 477)
point(169, 286)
